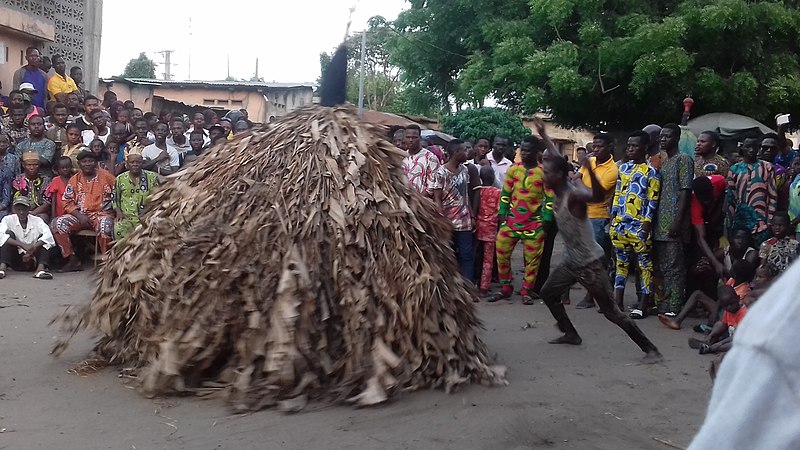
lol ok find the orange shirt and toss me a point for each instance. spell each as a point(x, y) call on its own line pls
point(741, 289)
point(732, 320)
point(90, 196)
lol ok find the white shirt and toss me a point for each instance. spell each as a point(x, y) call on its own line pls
point(153, 152)
point(88, 136)
point(206, 138)
point(179, 149)
point(37, 230)
point(500, 169)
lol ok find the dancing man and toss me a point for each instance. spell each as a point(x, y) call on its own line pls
point(583, 260)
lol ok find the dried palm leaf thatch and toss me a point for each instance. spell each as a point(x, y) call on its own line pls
point(291, 264)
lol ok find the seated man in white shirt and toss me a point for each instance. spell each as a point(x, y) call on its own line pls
point(25, 241)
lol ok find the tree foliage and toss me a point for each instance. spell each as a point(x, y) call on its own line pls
point(617, 63)
point(473, 123)
point(140, 67)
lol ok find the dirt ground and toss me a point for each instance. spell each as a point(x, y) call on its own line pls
point(596, 396)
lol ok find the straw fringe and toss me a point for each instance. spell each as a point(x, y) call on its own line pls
point(291, 264)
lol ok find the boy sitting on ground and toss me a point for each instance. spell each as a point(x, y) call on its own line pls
point(743, 273)
point(721, 337)
point(765, 275)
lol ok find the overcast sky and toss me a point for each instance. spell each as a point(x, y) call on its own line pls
point(286, 36)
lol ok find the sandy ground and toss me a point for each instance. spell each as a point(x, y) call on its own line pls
point(596, 396)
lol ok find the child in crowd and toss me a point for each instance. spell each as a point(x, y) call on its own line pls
point(765, 275)
point(73, 145)
point(743, 273)
point(781, 249)
point(486, 228)
point(721, 337)
point(740, 247)
point(196, 141)
point(55, 191)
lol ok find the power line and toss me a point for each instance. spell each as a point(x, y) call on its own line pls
point(395, 31)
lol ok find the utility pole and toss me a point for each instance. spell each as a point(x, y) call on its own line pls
point(361, 76)
point(167, 63)
point(189, 75)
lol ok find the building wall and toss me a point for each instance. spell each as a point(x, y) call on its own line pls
point(78, 25)
point(18, 31)
point(260, 106)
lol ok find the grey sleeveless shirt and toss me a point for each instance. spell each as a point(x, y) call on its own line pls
point(576, 233)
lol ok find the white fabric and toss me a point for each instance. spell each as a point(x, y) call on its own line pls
point(37, 230)
point(179, 149)
point(206, 138)
point(500, 169)
point(88, 136)
point(756, 399)
point(153, 152)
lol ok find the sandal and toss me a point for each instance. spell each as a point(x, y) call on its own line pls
point(702, 328)
point(43, 275)
point(705, 349)
point(636, 314)
point(497, 297)
point(696, 343)
point(2, 274)
point(527, 300)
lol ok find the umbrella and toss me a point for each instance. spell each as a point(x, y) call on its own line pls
point(436, 137)
point(729, 125)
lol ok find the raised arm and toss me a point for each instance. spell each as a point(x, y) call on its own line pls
point(550, 148)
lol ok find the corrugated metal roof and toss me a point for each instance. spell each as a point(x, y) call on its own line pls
point(222, 84)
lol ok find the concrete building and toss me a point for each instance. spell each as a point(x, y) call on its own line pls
point(566, 139)
point(263, 101)
point(70, 28)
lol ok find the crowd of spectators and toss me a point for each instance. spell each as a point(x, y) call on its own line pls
point(70, 162)
point(703, 235)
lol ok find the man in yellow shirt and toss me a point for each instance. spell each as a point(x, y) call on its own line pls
point(606, 172)
point(60, 84)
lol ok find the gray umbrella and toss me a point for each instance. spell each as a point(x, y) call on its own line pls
point(728, 125)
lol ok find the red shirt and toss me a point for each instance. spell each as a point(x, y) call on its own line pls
point(718, 184)
point(55, 191)
point(486, 227)
point(732, 320)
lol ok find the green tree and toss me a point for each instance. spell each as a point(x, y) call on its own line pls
point(473, 123)
point(140, 67)
point(383, 88)
point(616, 64)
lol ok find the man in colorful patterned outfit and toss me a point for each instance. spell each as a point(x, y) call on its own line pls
point(131, 191)
point(87, 205)
point(421, 164)
point(752, 196)
point(632, 213)
point(671, 231)
point(521, 202)
point(32, 185)
point(451, 193)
